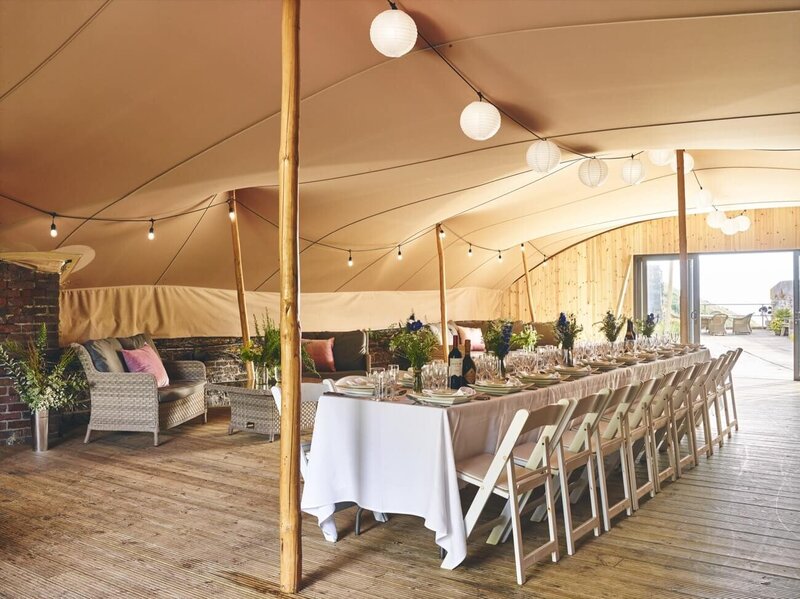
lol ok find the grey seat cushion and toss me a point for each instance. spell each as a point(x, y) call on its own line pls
point(104, 354)
point(179, 390)
point(137, 342)
point(349, 348)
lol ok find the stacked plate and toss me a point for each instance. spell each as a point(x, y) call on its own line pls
point(542, 380)
point(355, 389)
point(603, 365)
point(628, 359)
point(648, 357)
point(573, 372)
point(499, 388)
point(445, 397)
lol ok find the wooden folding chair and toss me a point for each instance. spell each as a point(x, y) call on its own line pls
point(498, 474)
point(579, 453)
point(712, 385)
point(637, 435)
point(726, 388)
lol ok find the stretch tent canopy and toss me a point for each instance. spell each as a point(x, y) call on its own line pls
point(145, 110)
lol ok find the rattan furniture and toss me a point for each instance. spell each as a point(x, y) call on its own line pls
point(741, 324)
point(716, 326)
point(131, 401)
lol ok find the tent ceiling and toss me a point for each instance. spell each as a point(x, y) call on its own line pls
point(139, 110)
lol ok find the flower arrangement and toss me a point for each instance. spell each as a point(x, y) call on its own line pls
point(526, 339)
point(567, 330)
point(39, 382)
point(498, 337)
point(647, 327)
point(611, 326)
point(414, 341)
point(265, 351)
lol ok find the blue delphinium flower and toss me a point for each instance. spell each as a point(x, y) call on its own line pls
point(412, 324)
point(562, 320)
point(505, 340)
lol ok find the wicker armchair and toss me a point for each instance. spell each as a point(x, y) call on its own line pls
point(716, 325)
point(741, 324)
point(130, 401)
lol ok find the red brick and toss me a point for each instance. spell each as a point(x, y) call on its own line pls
point(11, 416)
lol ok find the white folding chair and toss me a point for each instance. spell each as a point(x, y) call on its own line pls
point(309, 397)
point(637, 436)
point(498, 474)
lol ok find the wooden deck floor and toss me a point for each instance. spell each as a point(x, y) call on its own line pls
point(197, 517)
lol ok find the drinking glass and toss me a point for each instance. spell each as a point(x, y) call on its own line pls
point(377, 379)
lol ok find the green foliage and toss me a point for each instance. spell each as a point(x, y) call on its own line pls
point(414, 342)
point(498, 337)
point(567, 330)
point(647, 327)
point(778, 317)
point(526, 339)
point(39, 382)
point(611, 326)
point(265, 351)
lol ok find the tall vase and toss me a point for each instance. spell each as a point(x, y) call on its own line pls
point(418, 380)
point(503, 367)
point(40, 429)
point(261, 374)
point(566, 356)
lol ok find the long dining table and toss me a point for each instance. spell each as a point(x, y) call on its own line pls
point(398, 457)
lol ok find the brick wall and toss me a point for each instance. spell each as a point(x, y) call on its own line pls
point(27, 299)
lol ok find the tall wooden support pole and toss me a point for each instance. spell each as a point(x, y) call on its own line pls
point(289, 235)
point(237, 267)
point(527, 281)
point(442, 291)
point(682, 249)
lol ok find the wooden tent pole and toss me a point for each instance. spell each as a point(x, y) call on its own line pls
point(237, 267)
point(289, 235)
point(527, 280)
point(624, 290)
point(682, 248)
point(442, 291)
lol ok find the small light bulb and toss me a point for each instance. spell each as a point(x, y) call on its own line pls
point(499, 255)
point(469, 251)
point(53, 228)
point(522, 247)
point(399, 253)
point(151, 234)
point(545, 261)
point(231, 212)
point(441, 233)
point(349, 258)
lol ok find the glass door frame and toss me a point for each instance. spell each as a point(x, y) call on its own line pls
point(640, 289)
point(796, 311)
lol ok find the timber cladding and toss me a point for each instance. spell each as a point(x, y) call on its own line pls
point(27, 299)
point(587, 278)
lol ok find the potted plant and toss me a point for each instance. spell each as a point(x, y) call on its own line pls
point(265, 353)
point(415, 342)
point(567, 330)
point(42, 384)
point(779, 316)
point(498, 340)
point(611, 326)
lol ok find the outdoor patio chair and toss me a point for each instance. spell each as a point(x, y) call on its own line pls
point(716, 325)
point(741, 324)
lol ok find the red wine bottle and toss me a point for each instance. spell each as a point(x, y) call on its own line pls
point(456, 362)
point(468, 367)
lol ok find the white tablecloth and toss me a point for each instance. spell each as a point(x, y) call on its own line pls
point(399, 458)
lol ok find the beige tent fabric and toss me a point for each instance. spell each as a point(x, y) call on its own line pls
point(173, 311)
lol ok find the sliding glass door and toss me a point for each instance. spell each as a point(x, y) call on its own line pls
point(795, 324)
point(657, 290)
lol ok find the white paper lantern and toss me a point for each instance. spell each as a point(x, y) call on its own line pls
point(730, 226)
point(593, 172)
point(393, 33)
point(743, 222)
point(660, 157)
point(715, 219)
point(703, 199)
point(688, 163)
point(633, 171)
point(480, 120)
point(543, 156)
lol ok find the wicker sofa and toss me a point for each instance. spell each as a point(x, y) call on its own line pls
point(131, 401)
point(350, 352)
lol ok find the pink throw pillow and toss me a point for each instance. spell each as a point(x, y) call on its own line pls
point(475, 337)
point(321, 351)
point(146, 359)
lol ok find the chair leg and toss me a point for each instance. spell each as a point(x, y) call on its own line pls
point(563, 481)
point(733, 405)
point(601, 481)
point(359, 511)
point(155, 439)
point(516, 530)
point(205, 417)
point(551, 517)
point(593, 495)
point(626, 483)
point(630, 464)
point(88, 434)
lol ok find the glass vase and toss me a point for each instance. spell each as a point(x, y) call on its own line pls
point(417, 380)
point(566, 357)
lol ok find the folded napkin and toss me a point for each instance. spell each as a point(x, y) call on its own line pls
point(462, 392)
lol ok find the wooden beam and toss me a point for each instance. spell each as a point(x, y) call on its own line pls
point(289, 240)
point(237, 268)
point(527, 280)
point(682, 249)
point(442, 291)
point(624, 290)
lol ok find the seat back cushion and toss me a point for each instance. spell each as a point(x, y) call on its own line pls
point(104, 354)
point(146, 360)
point(321, 351)
point(475, 336)
point(349, 348)
point(138, 341)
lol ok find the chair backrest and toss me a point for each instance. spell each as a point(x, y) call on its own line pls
point(658, 405)
point(641, 405)
point(618, 407)
point(552, 419)
point(588, 410)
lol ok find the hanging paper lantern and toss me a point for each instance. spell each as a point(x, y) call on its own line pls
point(660, 157)
point(730, 226)
point(688, 163)
point(593, 172)
point(393, 33)
point(743, 222)
point(633, 171)
point(703, 199)
point(480, 120)
point(715, 219)
point(543, 156)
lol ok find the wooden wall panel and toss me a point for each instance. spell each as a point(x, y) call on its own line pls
point(588, 278)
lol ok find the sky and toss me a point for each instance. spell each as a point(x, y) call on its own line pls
point(742, 278)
